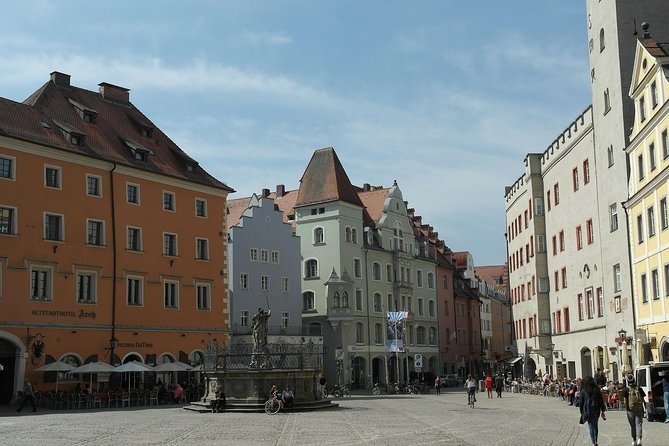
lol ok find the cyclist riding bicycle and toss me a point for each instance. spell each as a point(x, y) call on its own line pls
point(470, 384)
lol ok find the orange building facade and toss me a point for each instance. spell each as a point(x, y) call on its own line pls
point(112, 239)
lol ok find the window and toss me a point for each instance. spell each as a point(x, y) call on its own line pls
point(7, 167)
point(85, 288)
point(94, 232)
point(602, 42)
point(561, 238)
point(93, 187)
point(581, 307)
point(201, 249)
point(579, 237)
point(565, 313)
point(53, 227)
point(377, 303)
point(203, 292)
point(430, 280)
point(389, 273)
point(169, 244)
point(539, 206)
point(311, 269)
point(253, 254)
point(556, 194)
point(665, 144)
point(543, 284)
point(264, 283)
point(664, 217)
point(432, 336)
point(264, 255)
point(132, 193)
point(642, 108)
point(613, 216)
point(653, 94)
point(376, 271)
point(359, 333)
point(564, 277)
point(420, 306)
point(358, 300)
point(617, 278)
point(444, 278)
point(308, 301)
point(574, 178)
point(586, 171)
point(431, 310)
point(357, 269)
point(344, 300)
point(52, 177)
point(40, 283)
point(284, 285)
point(200, 208)
point(134, 239)
point(609, 151)
point(644, 291)
point(419, 278)
point(168, 201)
point(607, 101)
point(640, 166)
point(666, 280)
point(541, 243)
point(7, 220)
point(244, 318)
point(639, 228)
point(347, 234)
point(651, 221)
point(134, 291)
point(319, 236)
point(651, 156)
point(354, 236)
point(275, 257)
point(655, 279)
point(378, 334)
point(420, 335)
point(284, 319)
point(589, 232)
point(244, 281)
point(591, 303)
point(171, 294)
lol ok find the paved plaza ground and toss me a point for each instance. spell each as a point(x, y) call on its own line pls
point(513, 420)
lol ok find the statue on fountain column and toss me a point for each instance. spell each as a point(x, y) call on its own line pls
point(259, 324)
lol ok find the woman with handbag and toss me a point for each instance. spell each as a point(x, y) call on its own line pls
point(591, 406)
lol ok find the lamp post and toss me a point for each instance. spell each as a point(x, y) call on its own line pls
point(112, 345)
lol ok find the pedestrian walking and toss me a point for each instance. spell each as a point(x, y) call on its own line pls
point(28, 395)
point(488, 385)
point(499, 385)
point(592, 406)
point(437, 385)
point(633, 397)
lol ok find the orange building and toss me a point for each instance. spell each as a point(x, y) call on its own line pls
point(112, 239)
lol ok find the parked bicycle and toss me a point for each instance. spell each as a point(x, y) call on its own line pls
point(338, 391)
point(273, 405)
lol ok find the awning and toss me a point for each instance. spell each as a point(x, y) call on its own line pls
point(514, 360)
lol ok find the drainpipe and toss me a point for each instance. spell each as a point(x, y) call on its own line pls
point(112, 340)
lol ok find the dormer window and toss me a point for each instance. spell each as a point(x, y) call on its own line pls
point(146, 131)
point(71, 134)
point(139, 152)
point(86, 113)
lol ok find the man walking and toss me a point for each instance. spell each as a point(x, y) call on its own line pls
point(437, 385)
point(633, 397)
point(28, 395)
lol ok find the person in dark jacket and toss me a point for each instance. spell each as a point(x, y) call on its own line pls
point(499, 385)
point(592, 406)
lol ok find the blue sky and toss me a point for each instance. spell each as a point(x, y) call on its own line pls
point(446, 97)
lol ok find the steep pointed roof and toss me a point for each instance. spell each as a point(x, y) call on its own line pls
point(325, 180)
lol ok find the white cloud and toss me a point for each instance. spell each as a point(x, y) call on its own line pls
point(267, 38)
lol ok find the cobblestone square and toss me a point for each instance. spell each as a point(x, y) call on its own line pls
point(512, 420)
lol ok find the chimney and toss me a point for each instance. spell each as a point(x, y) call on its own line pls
point(265, 193)
point(60, 79)
point(366, 187)
point(280, 190)
point(114, 92)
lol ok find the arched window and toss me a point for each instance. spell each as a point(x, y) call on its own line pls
point(354, 236)
point(433, 336)
point(430, 281)
point(319, 235)
point(420, 335)
point(344, 300)
point(377, 302)
point(378, 334)
point(347, 231)
point(308, 301)
point(359, 333)
point(335, 300)
point(311, 269)
point(431, 308)
point(376, 271)
point(602, 43)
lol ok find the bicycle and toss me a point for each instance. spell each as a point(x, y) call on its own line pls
point(471, 396)
point(273, 405)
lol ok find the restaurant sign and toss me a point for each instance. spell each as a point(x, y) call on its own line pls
point(135, 344)
point(81, 314)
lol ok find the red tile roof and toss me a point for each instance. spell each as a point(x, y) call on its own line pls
point(374, 201)
point(51, 110)
point(491, 274)
point(234, 209)
point(654, 48)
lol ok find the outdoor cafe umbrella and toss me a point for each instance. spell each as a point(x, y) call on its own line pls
point(595, 358)
point(172, 367)
point(640, 354)
point(626, 358)
point(93, 367)
point(133, 367)
point(607, 361)
point(56, 366)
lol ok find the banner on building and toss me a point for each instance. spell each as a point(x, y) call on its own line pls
point(395, 331)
